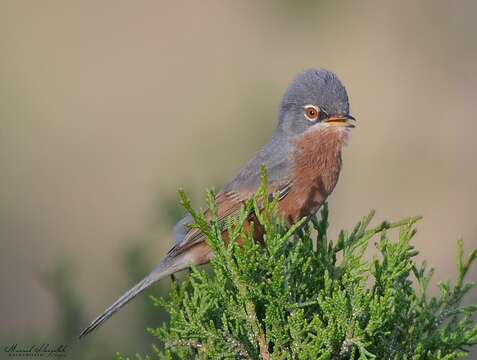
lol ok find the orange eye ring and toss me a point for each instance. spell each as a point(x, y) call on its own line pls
point(312, 113)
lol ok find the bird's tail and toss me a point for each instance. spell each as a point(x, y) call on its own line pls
point(166, 267)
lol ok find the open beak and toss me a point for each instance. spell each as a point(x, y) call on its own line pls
point(341, 120)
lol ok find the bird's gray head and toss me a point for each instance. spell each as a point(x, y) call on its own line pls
point(316, 98)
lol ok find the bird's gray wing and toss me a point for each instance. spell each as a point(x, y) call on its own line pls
point(228, 205)
point(241, 188)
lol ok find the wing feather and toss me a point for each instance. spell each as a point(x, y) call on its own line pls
point(229, 204)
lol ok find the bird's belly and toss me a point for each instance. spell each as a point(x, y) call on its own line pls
point(305, 199)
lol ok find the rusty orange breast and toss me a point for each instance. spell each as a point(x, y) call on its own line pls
point(316, 168)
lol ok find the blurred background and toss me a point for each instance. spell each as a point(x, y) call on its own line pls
point(108, 107)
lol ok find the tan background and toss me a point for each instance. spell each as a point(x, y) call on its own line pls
point(106, 107)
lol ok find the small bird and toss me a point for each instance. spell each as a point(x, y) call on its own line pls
point(303, 159)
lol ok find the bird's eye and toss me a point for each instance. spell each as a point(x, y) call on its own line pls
point(312, 112)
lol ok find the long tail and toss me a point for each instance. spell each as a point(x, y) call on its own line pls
point(166, 267)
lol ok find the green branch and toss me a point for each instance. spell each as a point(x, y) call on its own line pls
point(300, 295)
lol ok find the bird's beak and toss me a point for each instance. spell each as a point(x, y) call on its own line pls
point(341, 120)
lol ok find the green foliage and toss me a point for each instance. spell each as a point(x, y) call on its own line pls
point(291, 297)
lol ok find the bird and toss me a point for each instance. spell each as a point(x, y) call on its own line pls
point(303, 160)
